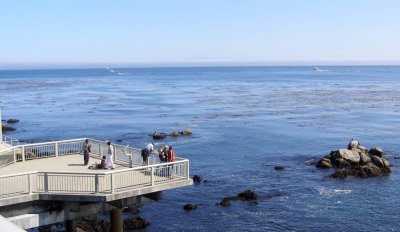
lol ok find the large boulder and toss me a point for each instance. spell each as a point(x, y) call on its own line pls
point(380, 162)
point(350, 156)
point(324, 163)
point(364, 158)
point(377, 151)
point(340, 163)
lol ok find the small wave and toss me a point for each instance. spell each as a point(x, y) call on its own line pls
point(342, 191)
point(327, 192)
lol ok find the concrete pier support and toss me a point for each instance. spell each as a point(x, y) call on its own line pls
point(70, 225)
point(117, 220)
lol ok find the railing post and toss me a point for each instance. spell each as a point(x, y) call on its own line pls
point(96, 183)
point(100, 151)
point(112, 183)
point(15, 155)
point(152, 176)
point(56, 149)
point(23, 154)
point(29, 184)
point(130, 161)
point(187, 163)
point(46, 182)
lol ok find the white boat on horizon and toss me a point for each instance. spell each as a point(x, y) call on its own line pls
point(316, 69)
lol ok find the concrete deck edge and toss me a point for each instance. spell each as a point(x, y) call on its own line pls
point(95, 197)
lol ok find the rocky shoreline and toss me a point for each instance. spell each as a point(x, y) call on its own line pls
point(94, 224)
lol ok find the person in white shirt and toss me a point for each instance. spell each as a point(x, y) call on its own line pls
point(110, 154)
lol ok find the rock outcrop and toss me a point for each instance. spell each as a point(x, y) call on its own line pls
point(356, 161)
point(248, 195)
point(175, 133)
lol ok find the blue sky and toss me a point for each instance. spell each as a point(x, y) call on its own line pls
point(149, 32)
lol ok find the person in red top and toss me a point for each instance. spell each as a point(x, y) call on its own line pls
point(171, 155)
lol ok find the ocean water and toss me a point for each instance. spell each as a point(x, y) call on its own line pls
point(245, 121)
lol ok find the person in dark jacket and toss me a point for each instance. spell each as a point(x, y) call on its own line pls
point(86, 151)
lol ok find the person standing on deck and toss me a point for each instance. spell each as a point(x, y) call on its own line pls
point(171, 155)
point(146, 153)
point(86, 151)
point(110, 154)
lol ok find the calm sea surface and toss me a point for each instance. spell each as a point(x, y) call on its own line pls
point(245, 121)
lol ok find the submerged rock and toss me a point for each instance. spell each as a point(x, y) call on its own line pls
point(356, 161)
point(7, 128)
point(248, 195)
point(174, 133)
point(224, 203)
point(135, 223)
point(196, 179)
point(186, 132)
point(279, 168)
point(93, 224)
point(12, 120)
point(159, 135)
point(189, 207)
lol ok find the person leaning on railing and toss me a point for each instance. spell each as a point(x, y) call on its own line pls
point(146, 153)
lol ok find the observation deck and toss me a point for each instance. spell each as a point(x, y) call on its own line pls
point(32, 176)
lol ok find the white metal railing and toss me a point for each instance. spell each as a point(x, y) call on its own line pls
point(93, 183)
point(155, 173)
point(10, 140)
point(44, 150)
point(7, 157)
point(74, 146)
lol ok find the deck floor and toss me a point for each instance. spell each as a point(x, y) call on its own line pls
point(4, 146)
point(66, 163)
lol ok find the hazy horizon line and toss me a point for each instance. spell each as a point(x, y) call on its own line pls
point(187, 64)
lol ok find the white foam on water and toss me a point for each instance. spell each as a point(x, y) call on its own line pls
point(328, 192)
point(342, 191)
